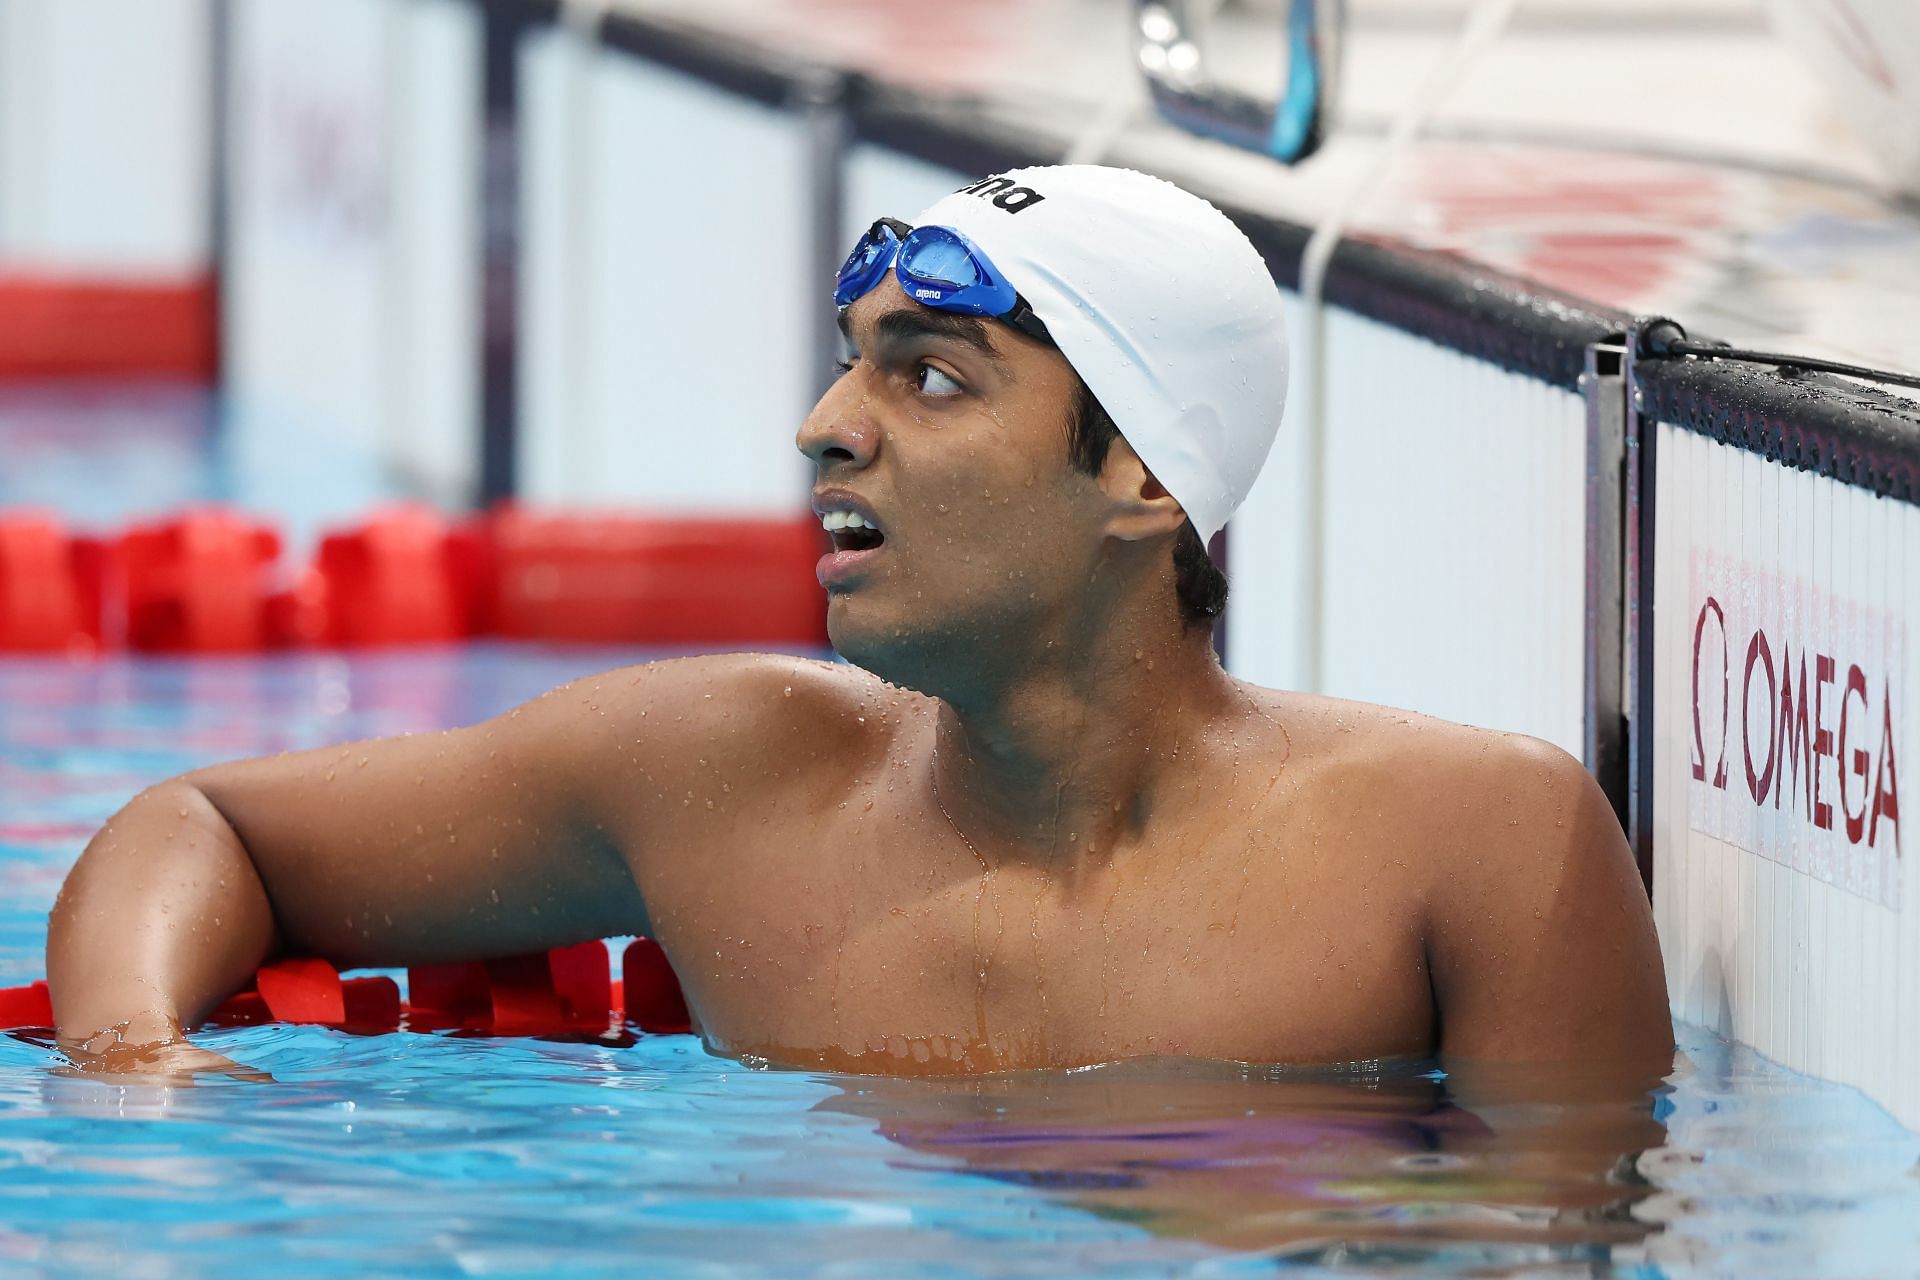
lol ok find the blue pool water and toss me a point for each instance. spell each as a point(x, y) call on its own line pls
point(432, 1155)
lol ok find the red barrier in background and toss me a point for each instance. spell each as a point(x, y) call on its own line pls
point(666, 580)
point(197, 584)
point(210, 581)
point(50, 586)
point(406, 576)
point(58, 328)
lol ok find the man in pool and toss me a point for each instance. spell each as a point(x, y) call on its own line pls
point(1034, 824)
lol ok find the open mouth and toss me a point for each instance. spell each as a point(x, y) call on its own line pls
point(851, 531)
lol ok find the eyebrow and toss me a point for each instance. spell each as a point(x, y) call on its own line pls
point(905, 324)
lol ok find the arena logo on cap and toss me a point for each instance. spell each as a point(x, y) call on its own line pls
point(1796, 725)
point(1003, 193)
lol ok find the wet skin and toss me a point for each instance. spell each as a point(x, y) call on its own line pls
point(1042, 827)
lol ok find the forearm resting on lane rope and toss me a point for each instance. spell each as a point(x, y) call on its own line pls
point(163, 917)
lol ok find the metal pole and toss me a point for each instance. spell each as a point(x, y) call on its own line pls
point(823, 103)
point(499, 251)
point(220, 173)
point(1641, 440)
point(1603, 385)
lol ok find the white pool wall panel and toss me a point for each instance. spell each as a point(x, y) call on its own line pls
point(105, 138)
point(351, 283)
point(666, 290)
point(1782, 889)
point(1267, 541)
point(304, 348)
point(1454, 566)
point(431, 409)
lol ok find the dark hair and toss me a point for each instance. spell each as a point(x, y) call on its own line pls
point(1198, 583)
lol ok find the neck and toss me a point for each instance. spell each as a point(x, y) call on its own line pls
point(1063, 760)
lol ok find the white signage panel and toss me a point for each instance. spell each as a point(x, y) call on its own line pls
point(1796, 696)
point(1783, 745)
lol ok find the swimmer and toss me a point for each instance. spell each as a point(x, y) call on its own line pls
point(1033, 824)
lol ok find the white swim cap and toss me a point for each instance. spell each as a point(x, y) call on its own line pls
point(1160, 304)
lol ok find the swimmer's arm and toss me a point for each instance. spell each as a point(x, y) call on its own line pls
point(499, 839)
point(1540, 935)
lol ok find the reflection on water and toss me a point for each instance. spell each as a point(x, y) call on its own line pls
point(422, 1155)
point(1390, 1164)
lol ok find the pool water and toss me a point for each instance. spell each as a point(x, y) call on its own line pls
point(434, 1155)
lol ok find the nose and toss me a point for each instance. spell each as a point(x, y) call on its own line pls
point(838, 432)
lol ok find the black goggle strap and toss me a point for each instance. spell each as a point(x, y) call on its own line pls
point(874, 238)
point(1025, 321)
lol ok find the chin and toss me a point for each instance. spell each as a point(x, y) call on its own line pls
point(888, 647)
point(856, 634)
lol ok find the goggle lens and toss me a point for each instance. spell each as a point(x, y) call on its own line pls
point(938, 258)
point(866, 264)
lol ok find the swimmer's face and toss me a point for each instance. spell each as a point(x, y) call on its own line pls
point(950, 433)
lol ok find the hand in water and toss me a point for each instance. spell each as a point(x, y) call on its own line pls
point(151, 1045)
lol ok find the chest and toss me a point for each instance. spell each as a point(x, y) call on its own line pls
point(889, 956)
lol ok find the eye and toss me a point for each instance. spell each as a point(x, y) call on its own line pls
point(841, 368)
point(932, 382)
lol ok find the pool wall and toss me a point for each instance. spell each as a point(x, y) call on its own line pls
point(1516, 520)
point(1780, 668)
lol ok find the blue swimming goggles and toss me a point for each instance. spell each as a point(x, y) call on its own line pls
point(938, 267)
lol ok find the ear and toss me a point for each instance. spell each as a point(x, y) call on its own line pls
point(1138, 505)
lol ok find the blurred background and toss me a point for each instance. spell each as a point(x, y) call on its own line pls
point(309, 254)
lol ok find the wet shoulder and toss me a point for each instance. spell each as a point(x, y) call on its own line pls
point(763, 710)
point(1462, 798)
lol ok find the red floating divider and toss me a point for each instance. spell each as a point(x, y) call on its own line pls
point(406, 576)
point(198, 584)
point(656, 580)
point(654, 1001)
point(583, 981)
point(296, 615)
point(202, 582)
point(303, 990)
point(524, 1001)
point(372, 1003)
point(449, 995)
point(568, 990)
point(242, 1010)
point(28, 1006)
point(50, 586)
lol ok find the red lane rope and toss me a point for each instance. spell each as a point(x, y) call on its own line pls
point(210, 580)
point(566, 991)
